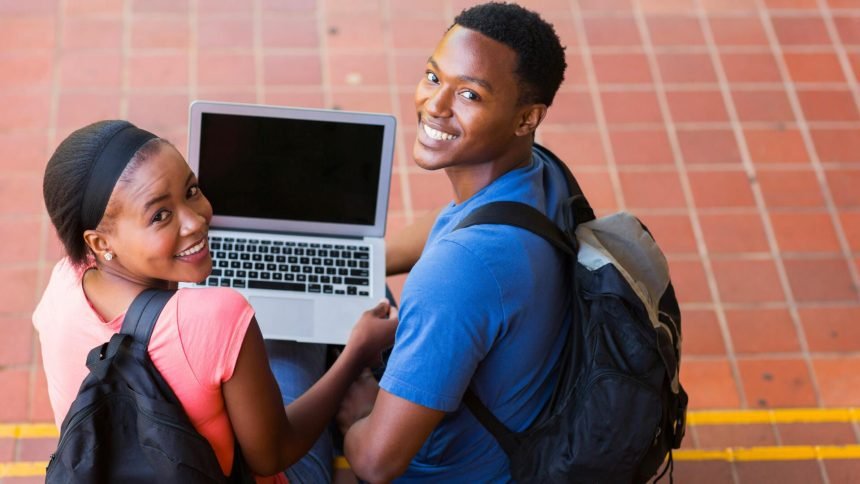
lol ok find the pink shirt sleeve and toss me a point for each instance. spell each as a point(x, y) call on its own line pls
point(195, 345)
point(212, 324)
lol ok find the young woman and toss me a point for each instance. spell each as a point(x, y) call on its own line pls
point(131, 216)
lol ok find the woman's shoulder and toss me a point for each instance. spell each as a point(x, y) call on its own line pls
point(207, 318)
point(210, 299)
point(63, 289)
point(66, 273)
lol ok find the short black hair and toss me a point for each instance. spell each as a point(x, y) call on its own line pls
point(540, 55)
point(65, 182)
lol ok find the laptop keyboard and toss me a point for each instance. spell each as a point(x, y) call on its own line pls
point(290, 266)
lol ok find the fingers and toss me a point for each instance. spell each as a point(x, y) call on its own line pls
point(381, 309)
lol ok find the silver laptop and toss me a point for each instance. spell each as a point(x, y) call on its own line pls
point(300, 199)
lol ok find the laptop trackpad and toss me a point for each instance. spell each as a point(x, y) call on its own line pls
point(283, 317)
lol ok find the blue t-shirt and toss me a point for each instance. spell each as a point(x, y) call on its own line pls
point(484, 305)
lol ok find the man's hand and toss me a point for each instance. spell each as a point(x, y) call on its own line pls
point(358, 401)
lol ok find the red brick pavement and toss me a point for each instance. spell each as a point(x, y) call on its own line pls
point(731, 127)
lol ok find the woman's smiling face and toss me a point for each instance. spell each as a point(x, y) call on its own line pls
point(158, 222)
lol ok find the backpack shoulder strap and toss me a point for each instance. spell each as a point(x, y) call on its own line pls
point(507, 440)
point(138, 323)
point(577, 210)
point(523, 216)
point(529, 218)
point(143, 313)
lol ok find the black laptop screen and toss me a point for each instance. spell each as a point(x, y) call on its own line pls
point(289, 169)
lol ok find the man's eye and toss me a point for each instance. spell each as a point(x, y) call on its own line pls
point(432, 77)
point(193, 190)
point(471, 96)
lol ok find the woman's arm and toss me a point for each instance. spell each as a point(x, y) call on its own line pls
point(272, 439)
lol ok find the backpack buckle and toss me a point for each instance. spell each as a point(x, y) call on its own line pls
point(680, 421)
point(103, 351)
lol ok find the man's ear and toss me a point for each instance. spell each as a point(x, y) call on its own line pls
point(530, 118)
point(97, 242)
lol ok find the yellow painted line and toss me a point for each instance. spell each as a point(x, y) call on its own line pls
point(702, 454)
point(701, 417)
point(694, 418)
point(793, 415)
point(28, 431)
point(737, 454)
point(789, 452)
point(22, 469)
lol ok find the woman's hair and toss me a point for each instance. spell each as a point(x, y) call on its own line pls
point(67, 175)
point(540, 55)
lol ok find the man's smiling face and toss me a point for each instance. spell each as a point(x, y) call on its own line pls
point(467, 102)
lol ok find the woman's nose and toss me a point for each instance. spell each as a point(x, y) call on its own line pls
point(191, 221)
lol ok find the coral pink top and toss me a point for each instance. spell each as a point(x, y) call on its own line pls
point(195, 345)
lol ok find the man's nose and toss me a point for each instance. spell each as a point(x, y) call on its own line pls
point(438, 103)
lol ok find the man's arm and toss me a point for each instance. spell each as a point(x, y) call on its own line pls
point(404, 248)
point(380, 446)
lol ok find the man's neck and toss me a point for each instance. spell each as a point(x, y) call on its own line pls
point(469, 180)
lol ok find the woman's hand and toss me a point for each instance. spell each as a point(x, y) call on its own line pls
point(373, 333)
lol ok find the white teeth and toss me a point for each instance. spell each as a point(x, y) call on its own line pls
point(436, 134)
point(193, 250)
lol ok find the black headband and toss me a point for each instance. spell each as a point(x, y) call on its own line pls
point(106, 170)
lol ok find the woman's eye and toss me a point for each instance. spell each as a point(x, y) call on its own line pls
point(161, 216)
point(432, 77)
point(193, 190)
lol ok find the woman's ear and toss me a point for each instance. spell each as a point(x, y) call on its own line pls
point(97, 242)
point(530, 118)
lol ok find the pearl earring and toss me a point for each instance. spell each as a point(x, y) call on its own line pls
point(108, 256)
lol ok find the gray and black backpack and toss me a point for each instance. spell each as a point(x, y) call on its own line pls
point(618, 408)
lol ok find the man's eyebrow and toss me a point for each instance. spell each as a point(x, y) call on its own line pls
point(165, 196)
point(486, 85)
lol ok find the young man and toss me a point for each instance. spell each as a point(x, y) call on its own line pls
point(483, 306)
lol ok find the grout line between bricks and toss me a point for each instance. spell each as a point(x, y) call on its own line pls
point(45, 226)
point(758, 195)
point(815, 161)
point(125, 55)
point(851, 80)
point(695, 223)
point(599, 115)
point(322, 33)
point(259, 55)
point(400, 144)
point(193, 51)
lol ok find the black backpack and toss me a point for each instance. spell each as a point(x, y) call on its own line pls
point(618, 407)
point(126, 424)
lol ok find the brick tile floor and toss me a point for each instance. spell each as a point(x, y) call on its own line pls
point(798, 472)
point(817, 434)
point(731, 127)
